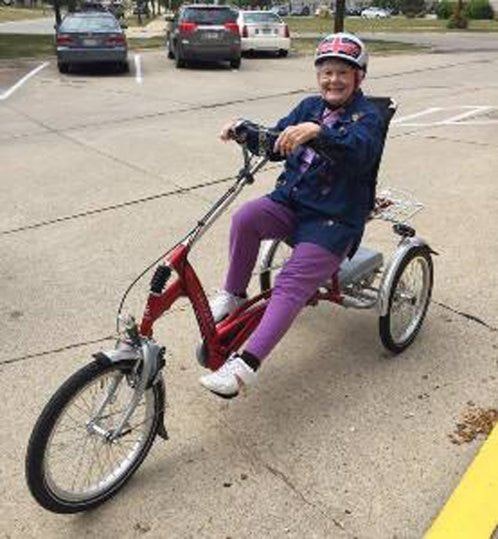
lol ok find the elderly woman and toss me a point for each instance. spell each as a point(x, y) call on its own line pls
point(321, 201)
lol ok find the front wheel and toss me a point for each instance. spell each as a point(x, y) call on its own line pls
point(72, 463)
point(408, 301)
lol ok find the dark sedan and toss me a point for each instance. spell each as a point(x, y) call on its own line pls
point(90, 37)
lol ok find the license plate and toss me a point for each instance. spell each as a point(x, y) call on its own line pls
point(211, 35)
point(266, 30)
point(90, 42)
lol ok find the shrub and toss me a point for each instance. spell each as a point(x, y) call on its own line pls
point(445, 9)
point(479, 9)
point(413, 8)
point(457, 20)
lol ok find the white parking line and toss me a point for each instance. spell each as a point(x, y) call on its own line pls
point(138, 69)
point(469, 117)
point(20, 82)
point(416, 115)
point(474, 111)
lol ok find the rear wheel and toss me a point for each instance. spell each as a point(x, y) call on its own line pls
point(275, 257)
point(63, 67)
point(283, 53)
point(179, 60)
point(409, 299)
point(72, 464)
point(168, 49)
point(235, 63)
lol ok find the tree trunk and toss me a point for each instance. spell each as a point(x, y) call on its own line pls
point(340, 6)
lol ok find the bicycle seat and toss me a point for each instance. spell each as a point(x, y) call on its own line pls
point(361, 265)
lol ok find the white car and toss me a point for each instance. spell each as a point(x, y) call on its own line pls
point(375, 13)
point(263, 31)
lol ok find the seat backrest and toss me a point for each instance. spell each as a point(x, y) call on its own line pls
point(387, 107)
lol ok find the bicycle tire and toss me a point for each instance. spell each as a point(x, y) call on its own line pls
point(267, 270)
point(389, 340)
point(40, 483)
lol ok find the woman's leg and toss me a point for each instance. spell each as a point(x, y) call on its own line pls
point(308, 268)
point(255, 221)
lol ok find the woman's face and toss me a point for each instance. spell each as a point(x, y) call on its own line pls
point(336, 81)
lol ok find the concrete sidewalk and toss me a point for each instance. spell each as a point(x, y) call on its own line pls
point(155, 28)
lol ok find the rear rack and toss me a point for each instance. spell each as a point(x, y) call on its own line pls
point(395, 206)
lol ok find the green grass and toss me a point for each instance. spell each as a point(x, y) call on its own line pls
point(20, 45)
point(394, 24)
point(8, 14)
point(42, 46)
point(307, 46)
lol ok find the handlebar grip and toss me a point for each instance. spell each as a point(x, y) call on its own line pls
point(261, 139)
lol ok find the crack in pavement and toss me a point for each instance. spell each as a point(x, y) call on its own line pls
point(63, 348)
point(283, 477)
point(256, 457)
point(468, 316)
point(178, 191)
point(240, 101)
point(459, 141)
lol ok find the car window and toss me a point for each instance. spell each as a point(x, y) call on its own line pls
point(209, 15)
point(261, 17)
point(94, 24)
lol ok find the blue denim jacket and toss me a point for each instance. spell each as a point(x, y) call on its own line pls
point(333, 197)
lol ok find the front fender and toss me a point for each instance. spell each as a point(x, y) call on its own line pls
point(405, 245)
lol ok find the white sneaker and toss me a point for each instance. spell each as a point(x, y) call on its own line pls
point(224, 303)
point(229, 378)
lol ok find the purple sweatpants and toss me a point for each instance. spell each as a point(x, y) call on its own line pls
point(309, 267)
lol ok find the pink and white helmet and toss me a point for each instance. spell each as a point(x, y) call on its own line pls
point(343, 46)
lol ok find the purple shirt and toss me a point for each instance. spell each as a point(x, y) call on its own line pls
point(328, 118)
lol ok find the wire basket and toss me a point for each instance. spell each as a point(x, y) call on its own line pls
point(395, 206)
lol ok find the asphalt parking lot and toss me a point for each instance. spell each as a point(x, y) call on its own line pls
point(102, 172)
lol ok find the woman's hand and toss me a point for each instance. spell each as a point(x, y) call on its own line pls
point(227, 130)
point(295, 135)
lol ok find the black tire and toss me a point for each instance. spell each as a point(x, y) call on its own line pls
point(51, 495)
point(283, 53)
point(179, 60)
point(235, 63)
point(420, 256)
point(278, 250)
point(125, 68)
point(170, 53)
point(63, 67)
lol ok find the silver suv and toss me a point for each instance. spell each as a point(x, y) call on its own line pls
point(204, 32)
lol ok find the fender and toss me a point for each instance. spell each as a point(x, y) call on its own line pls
point(405, 245)
point(153, 361)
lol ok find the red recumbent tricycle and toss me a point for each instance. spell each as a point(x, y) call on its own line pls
point(100, 424)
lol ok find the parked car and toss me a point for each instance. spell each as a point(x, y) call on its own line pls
point(353, 11)
point(90, 37)
point(283, 11)
point(301, 11)
point(204, 32)
point(263, 31)
point(375, 13)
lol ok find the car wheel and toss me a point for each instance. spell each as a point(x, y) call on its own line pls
point(283, 53)
point(168, 48)
point(125, 66)
point(179, 61)
point(235, 63)
point(63, 67)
